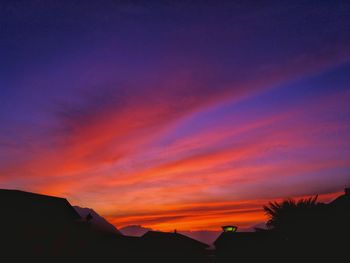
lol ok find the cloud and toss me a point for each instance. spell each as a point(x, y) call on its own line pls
point(214, 106)
point(203, 216)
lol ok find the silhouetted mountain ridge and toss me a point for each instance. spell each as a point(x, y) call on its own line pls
point(134, 230)
point(98, 222)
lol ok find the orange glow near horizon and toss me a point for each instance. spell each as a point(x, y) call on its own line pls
point(208, 216)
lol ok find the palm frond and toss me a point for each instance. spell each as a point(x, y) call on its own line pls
point(282, 214)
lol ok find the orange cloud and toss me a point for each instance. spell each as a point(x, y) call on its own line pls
point(110, 159)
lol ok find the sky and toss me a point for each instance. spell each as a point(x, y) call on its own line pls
point(175, 114)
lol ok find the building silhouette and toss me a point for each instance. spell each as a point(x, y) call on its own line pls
point(39, 227)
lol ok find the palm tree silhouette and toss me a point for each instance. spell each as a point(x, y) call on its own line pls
point(291, 215)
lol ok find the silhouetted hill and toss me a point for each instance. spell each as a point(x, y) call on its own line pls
point(97, 221)
point(204, 236)
point(134, 230)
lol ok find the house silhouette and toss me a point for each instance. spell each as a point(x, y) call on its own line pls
point(26, 206)
point(172, 247)
point(36, 224)
point(322, 235)
point(173, 238)
point(342, 201)
point(40, 227)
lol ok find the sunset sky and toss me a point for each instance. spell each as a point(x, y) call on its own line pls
point(175, 114)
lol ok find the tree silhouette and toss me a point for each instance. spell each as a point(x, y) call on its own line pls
point(291, 216)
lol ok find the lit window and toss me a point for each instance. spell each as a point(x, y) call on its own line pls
point(229, 228)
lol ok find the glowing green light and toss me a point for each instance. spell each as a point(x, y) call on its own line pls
point(229, 228)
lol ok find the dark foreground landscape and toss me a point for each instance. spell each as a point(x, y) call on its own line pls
point(36, 227)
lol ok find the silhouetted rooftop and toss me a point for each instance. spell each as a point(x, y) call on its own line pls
point(343, 200)
point(177, 238)
point(21, 205)
point(239, 238)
